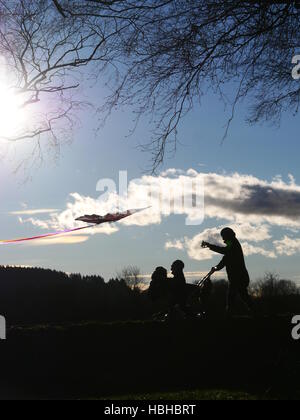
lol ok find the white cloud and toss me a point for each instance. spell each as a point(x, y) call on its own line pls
point(179, 245)
point(250, 249)
point(287, 246)
point(33, 212)
point(59, 240)
point(252, 206)
point(236, 198)
point(193, 245)
point(253, 233)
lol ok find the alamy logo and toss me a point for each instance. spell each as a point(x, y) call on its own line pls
point(296, 329)
point(2, 328)
point(296, 69)
point(182, 195)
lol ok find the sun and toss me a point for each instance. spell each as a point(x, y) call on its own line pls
point(13, 116)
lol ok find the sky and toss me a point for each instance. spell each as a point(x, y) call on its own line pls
point(251, 182)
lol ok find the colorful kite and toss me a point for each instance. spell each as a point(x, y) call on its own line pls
point(109, 218)
point(93, 221)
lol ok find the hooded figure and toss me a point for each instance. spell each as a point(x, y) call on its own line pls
point(158, 289)
point(178, 286)
point(234, 262)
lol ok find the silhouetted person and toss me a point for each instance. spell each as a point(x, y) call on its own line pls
point(234, 261)
point(158, 289)
point(178, 289)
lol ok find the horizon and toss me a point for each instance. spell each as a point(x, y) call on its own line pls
point(191, 277)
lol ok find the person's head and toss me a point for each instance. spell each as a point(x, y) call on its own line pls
point(228, 235)
point(160, 273)
point(177, 267)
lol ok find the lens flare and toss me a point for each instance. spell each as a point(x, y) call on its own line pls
point(12, 114)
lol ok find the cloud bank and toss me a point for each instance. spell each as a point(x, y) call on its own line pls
point(254, 207)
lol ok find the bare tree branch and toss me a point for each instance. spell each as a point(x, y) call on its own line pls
point(161, 57)
point(59, 8)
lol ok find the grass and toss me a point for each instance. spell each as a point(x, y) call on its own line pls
point(196, 395)
point(201, 360)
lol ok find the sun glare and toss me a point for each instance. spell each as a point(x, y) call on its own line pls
point(12, 114)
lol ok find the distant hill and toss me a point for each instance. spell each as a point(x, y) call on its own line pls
point(34, 295)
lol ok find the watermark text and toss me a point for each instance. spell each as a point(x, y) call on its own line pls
point(296, 328)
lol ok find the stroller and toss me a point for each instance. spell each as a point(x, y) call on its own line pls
point(197, 308)
point(207, 279)
point(202, 293)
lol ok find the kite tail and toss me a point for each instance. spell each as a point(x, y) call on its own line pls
point(48, 235)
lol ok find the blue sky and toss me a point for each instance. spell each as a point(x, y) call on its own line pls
point(262, 152)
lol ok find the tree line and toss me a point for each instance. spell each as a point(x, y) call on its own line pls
point(36, 296)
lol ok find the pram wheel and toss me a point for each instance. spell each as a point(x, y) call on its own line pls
point(202, 315)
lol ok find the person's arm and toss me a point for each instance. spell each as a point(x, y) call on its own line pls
point(218, 249)
point(221, 265)
point(223, 250)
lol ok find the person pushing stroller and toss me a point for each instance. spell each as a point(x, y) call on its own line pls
point(234, 261)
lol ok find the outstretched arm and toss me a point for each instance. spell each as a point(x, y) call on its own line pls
point(218, 249)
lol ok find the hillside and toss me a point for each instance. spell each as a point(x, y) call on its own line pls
point(95, 360)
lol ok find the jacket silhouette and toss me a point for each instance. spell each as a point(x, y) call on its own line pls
point(159, 286)
point(178, 286)
point(234, 261)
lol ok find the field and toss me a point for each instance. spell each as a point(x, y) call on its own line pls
point(192, 395)
point(238, 359)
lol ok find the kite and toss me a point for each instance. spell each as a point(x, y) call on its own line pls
point(93, 220)
point(108, 218)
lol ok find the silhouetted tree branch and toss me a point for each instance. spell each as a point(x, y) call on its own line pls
point(59, 8)
point(162, 56)
point(132, 277)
